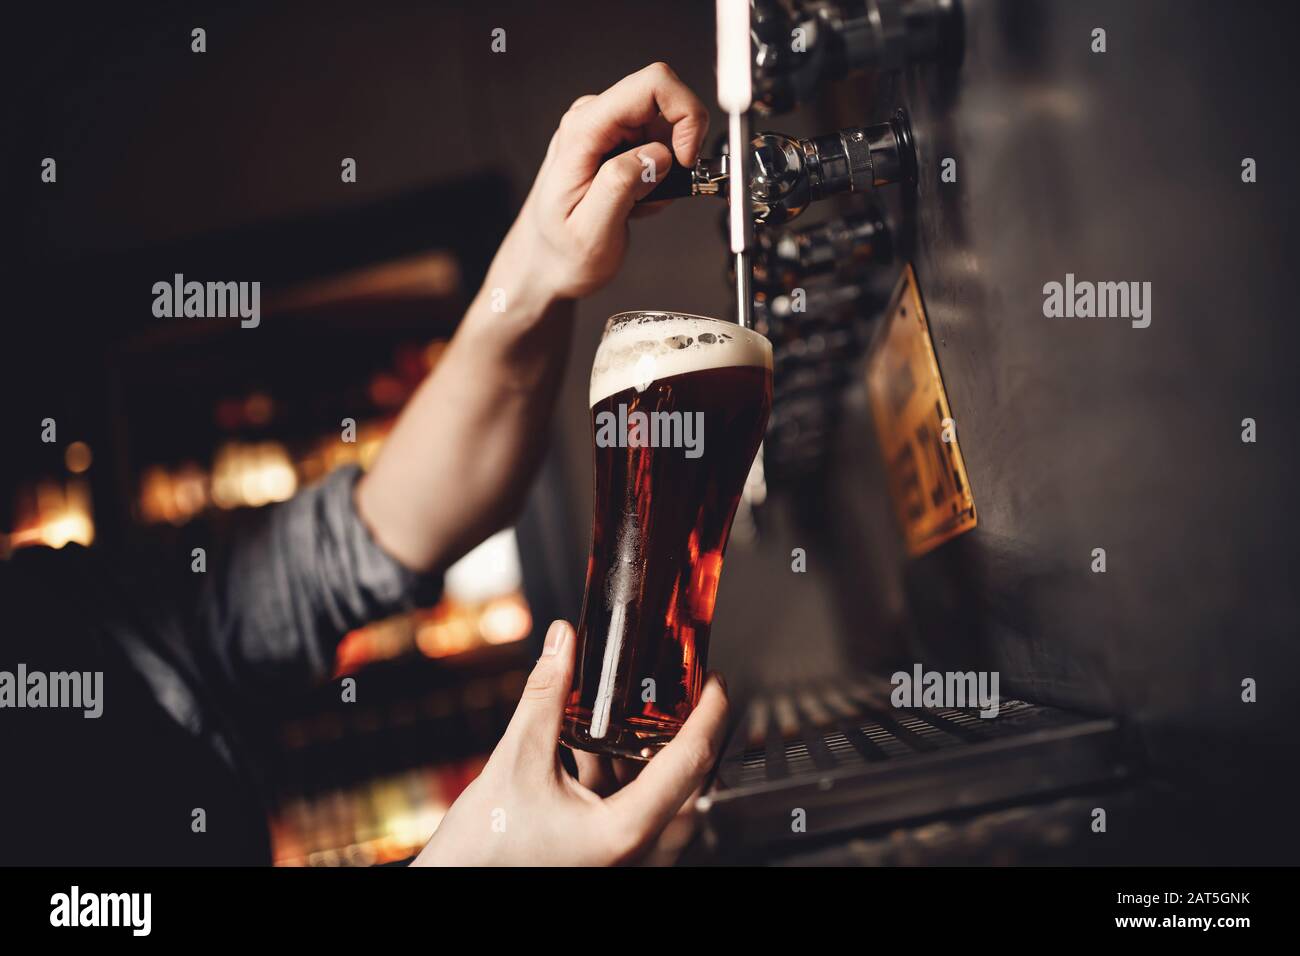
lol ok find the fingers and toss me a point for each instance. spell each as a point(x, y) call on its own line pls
point(634, 102)
point(602, 775)
point(676, 836)
point(535, 726)
point(619, 183)
point(648, 803)
point(658, 130)
point(595, 772)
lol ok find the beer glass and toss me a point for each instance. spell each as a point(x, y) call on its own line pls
point(679, 405)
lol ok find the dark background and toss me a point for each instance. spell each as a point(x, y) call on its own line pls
point(158, 147)
point(1077, 433)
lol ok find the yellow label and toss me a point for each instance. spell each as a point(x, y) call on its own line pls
point(915, 425)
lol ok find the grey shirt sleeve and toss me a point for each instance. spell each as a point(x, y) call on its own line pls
point(288, 592)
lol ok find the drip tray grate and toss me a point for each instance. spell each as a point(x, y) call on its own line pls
point(838, 756)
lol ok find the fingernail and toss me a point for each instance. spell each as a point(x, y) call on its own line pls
point(555, 636)
point(722, 681)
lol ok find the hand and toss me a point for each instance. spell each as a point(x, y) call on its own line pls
point(491, 396)
point(525, 809)
point(571, 234)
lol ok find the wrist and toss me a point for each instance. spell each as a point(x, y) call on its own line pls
point(519, 285)
point(518, 318)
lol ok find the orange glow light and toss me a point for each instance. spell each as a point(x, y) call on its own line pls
point(77, 457)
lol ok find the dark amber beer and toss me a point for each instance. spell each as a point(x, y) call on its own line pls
point(679, 405)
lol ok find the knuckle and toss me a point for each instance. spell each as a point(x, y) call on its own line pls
point(551, 148)
point(628, 172)
point(661, 70)
point(569, 122)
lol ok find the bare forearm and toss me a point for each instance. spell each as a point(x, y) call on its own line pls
point(458, 462)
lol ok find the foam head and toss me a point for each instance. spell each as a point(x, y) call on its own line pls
point(642, 347)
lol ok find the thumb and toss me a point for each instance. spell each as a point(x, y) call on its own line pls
point(535, 727)
point(619, 183)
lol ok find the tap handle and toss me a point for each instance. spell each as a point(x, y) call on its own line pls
point(677, 183)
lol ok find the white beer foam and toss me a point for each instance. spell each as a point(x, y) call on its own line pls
point(661, 344)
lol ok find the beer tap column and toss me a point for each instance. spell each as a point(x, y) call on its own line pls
point(735, 92)
point(841, 37)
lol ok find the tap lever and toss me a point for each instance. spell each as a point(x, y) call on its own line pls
point(786, 174)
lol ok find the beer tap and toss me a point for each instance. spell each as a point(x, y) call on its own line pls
point(784, 259)
point(800, 47)
point(816, 358)
point(787, 173)
point(781, 316)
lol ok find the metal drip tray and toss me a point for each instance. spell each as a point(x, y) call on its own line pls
point(838, 757)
